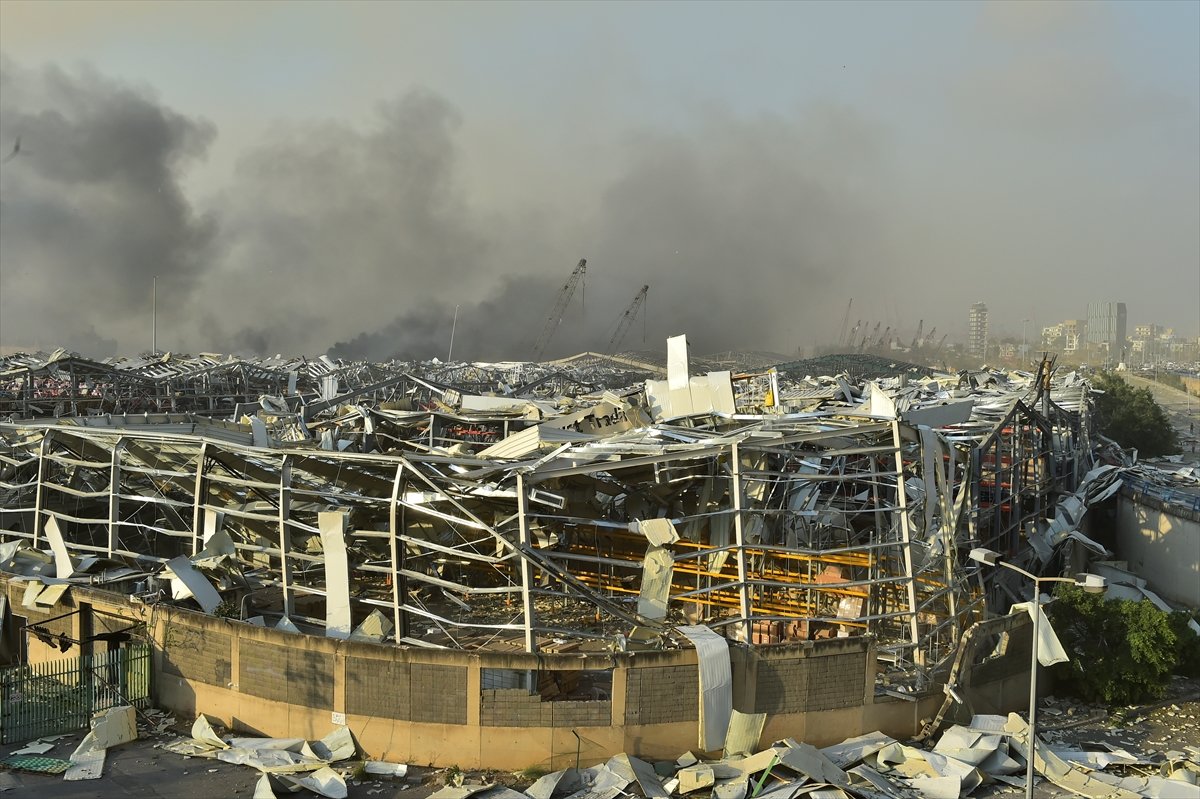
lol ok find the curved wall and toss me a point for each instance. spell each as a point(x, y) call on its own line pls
point(442, 707)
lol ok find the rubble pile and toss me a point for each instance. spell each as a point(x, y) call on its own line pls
point(987, 753)
point(984, 758)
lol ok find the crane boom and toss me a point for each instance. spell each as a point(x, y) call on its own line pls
point(560, 306)
point(845, 320)
point(917, 338)
point(627, 319)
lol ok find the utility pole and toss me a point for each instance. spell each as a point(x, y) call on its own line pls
point(453, 325)
point(154, 315)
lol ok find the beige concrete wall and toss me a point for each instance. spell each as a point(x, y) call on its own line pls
point(1161, 544)
point(429, 707)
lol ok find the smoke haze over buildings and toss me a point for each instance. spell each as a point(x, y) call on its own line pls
point(1042, 169)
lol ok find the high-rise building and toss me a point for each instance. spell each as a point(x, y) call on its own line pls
point(1106, 329)
point(977, 331)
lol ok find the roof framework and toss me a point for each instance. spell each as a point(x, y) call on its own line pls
point(575, 527)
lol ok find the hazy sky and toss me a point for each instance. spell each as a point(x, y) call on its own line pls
point(305, 175)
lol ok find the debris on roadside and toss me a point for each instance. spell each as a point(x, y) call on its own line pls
point(294, 762)
point(989, 751)
point(111, 727)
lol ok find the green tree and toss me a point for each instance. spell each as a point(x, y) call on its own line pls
point(1132, 418)
point(1189, 643)
point(1121, 651)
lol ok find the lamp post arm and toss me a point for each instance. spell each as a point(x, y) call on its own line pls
point(1037, 582)
point(1019, 570)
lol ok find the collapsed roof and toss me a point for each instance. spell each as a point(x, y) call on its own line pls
point(541, 507)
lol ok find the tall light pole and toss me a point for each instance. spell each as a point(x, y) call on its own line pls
point(1024, 350)
point(453, 327)
point(154, 315)
point(1092, 583)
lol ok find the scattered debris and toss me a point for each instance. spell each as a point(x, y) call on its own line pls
point(283, 758)
point(38, 747)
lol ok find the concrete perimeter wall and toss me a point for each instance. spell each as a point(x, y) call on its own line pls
point(1161, 542)
point(444, 707)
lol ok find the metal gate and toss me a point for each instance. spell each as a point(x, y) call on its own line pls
point(61, 695)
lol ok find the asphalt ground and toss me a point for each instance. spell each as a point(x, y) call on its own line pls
point(143, 769)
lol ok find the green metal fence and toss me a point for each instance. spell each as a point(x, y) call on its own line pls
point(61, 695)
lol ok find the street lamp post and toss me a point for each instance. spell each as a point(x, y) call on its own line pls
point(1092, 583)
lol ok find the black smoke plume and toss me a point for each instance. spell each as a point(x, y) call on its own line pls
point(362, 240)
point(91, 208)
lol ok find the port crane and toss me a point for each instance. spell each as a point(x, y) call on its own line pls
point(853, 337)
point(627, 319)
point(560, 306)
point(916, 342)
point(845, 320)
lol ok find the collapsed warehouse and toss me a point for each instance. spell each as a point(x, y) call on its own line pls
point(544, 508)
point(537, 548)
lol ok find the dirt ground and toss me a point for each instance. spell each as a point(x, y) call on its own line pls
point(144, 769)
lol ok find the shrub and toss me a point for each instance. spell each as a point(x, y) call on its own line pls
point(1122, 652)
point(1188, 646)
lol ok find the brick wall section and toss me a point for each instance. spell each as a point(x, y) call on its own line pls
point(782, 686)
point(513, 707)
point(836, 681)
point(516, 707)
point(197, 654)
point(440, 693)
point(377, 688)
point(262, 670)
point(286, 674)
point(799, 685)
point(596, 713)
point(662, 694)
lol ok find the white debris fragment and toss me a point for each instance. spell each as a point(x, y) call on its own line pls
point(262, 788)
point(384, 769)
point(87, 761)
point(324, 781)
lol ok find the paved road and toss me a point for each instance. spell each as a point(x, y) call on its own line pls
point(1183, 409)
point(139, 770)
